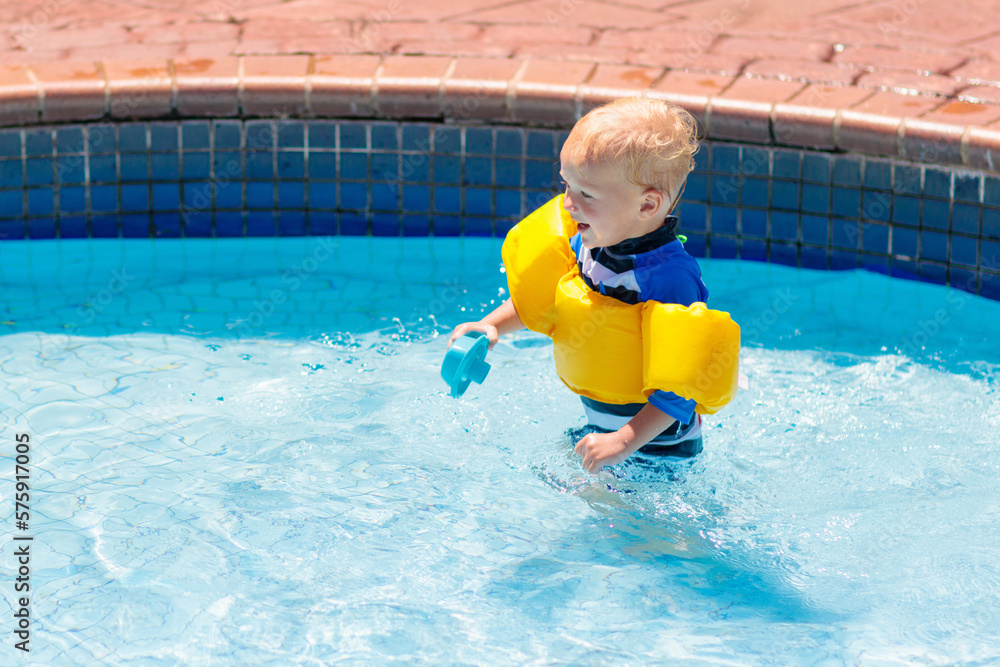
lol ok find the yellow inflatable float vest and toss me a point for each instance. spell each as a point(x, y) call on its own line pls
point(691, 351)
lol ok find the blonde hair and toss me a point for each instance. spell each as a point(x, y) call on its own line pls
point(653, 141)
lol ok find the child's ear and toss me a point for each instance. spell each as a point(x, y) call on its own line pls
point(652, 200)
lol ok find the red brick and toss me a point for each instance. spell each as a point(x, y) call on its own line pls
point(207, 86)
point(545, 91)
point(72, 91)
point(901, 83)
point(514, 35)
point(342, 85)
point(830, 97)
point(980, 71)
point(980, 94)
point(274, 85)
point(610, 82)
point(772, 48)
point(74, 36)
point(796, 125)
point(139, 89)
point(936, 143)
point(177, 33)
point(286, 37)
point(875, 134)
point(692, 91)
point(19, 100)
point(706, 62)
point(123, 52)
point(469, 48)
point(560, 15)
point(982, 148)
point(478, 87)
point(408, 86)
point(894, 104)
point(573, 52)
point(910, 60)
point(957, 112)
point(803, 70)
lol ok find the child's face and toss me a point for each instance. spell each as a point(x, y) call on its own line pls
point(606, 207)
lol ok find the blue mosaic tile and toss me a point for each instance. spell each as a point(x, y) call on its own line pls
point(416, 225)
point(447, 200)
point(103, 198)
point(448, 140)
point(70, 140)
point(815, 258)
point(322, 195)
point(753, 250)
point(692, 216)
point(385, 167)
point(844, 233)
point(71, 169)
point(165, 166)
point(904, 241)
point(353, 224)
point(477, 201)
point(840, 260)
point(754, 161)
point(448, 169)
point(10, 143)
point(875, 263)
point(167, 225)
point(817, 167)
point(725, 159)
point(508, 203)
point(323, 166)
point(964, 250)
point(135, 226)
point(784, 254)
point(322, 223)
point(40, 171)
point(991, 223)
point(385, 196)
point(722, 247)
point(384, 137)
point(534, 199)
point(198, 224)
point(447, 225)
point(292, 194)
point(478, 226)
point(195, 135)
point(724, 220)
point(937, 182)
point(541, 145)
point(967, 281)
point(504, 225)
point(135, 197)
point(259, 165)
point(478, 141)
point(415, 137)
point(784, 226)
point(229, 195)
point(103, 169)
point(989, 255)
point(101, 139)
point(815, 229)
point(510, 142)
point(13, 229)
point(508, 173)
point(785, 194)
point(292, 223)
point(703, 158)
point(934, 245)
point(876, 205)
point(875, 238)
point(353, 196)
point(354, 166)
point(878, 174)
point(291, 164)
point(991, 190)
point(478, 171)
point(933, 273)
point(73, 227)
point(753, 223)
point(262, 223)
point(73, 200)
point(38, 142)
point(786, 163)
point(104, 226)
point(907, 179)
point(259, 136)
point(696, 187)
point(967, 187)
point(847, 170)
point(134, 167)
point(560, 139)
point(696, 245)
point(132, 138)
point(726, 189)
point(989, 286)
point(11, 174)
point(41, 201)
point(163, 137)
point(965, 218)
point(322, 135)
point(197, 166)
point(42, 228)
point(228, 135)
point(416, 198)
point(935, 214)
point(815, 198)
point(906, 210)
point(11, 203)
point(846, 203)
point(902, 268)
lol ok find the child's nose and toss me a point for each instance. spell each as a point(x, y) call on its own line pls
point(567, 202)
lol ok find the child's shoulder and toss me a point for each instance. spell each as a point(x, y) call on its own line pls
point(670, 274)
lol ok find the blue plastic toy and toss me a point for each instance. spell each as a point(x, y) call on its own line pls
point(464, 362)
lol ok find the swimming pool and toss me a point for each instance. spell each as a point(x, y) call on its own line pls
point(243, 453)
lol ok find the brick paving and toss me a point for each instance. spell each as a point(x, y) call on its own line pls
point(884, 77)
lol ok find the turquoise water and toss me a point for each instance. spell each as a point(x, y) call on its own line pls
point(242, 453)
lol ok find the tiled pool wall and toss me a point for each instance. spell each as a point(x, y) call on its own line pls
point(229, 178)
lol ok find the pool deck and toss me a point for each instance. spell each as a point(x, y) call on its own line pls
point(916, 79)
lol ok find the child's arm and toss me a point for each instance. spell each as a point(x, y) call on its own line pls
point(504, 319)
point(607, 449)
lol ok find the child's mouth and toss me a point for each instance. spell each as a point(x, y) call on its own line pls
point(580, 227)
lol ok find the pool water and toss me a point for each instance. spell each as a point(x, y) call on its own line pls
point(243, 453)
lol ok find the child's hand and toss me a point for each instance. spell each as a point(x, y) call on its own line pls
point(492, 335)
point(602, 449)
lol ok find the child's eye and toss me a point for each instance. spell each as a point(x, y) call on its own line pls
point(585, 195)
